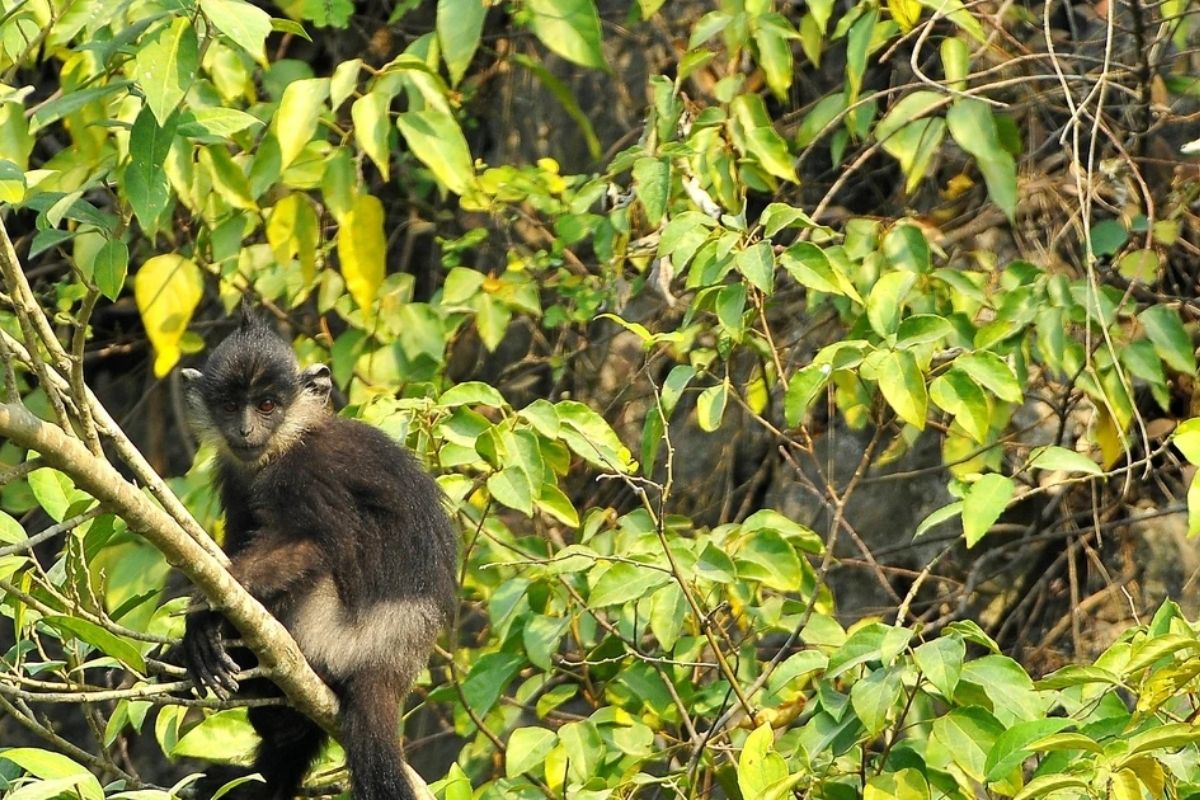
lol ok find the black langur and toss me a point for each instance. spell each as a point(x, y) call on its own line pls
point(338, 531)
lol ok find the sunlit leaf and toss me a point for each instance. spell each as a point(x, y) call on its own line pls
point(166, 65)
point(570, 28)
point(362, 250)
point(167, 289)
point(295, 121)
point(438, 142)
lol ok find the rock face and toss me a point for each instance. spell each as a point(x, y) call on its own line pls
point(881, 515)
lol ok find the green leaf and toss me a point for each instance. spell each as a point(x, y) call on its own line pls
point(922, 329)
point(941, 661)
point(904, 784)
point(1044, 785)
point(985, 501)
point(67, 104)
point(1193, 506)
point(968, 734)
point(570, 28)
point(512, 487)
point(710, 406)
point(1060, 458)
point(541, 637)
point(104, 641)
point(886, 301)
point(167, 289)
point(992, 373)
point(772, 36)
point(109, 268)
point(1170, 338)
point(974, 129)
point(1187, 438)
point(228, 180)
point(221, 122)
point(295, 121)
point(1013, 746)
point(526, 748)
point(12, 182)
point(875, 698)
point(1165, 737)
point(166, 65)
point(584, 749)
point(623, 582)
point(1139, 265)
point(362, 250)
point(766, 556)
point(11, 531)
point(225, 735)
point(438, 142)
point(53, 491)
point(668, 614)
point(1107, 237)
point(490, 674)
point(858, 46)
point(759, 766)
point(54, 767)
point(903, 386)
point(372, 126)
point(958, 394)
point(757, 264)
point(652, 182)
point(906, 248)
point(802, 390)
point(246, 24)
point(777, 216)
point(473, 393)
point(937, 517)
point(459, 26)
point(146, 183)
point(910, 136)
point(759, 137)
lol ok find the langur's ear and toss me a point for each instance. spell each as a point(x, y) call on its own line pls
point(315, 380)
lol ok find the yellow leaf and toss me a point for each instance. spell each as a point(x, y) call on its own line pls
point(1108, 436)
point(167, 289)
point(292, 230)
point(362, 248)
point(905, 12)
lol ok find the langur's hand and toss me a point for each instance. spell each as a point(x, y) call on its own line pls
point(205, 658)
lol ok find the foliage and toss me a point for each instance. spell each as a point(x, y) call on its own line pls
point(626, 640)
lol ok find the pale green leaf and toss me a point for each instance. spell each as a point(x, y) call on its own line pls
point(246, 24)
point(166, 65)
point(903, 386)
point(459, 25)
point(296, 119)
point(985, 501)
point(570, 28)
point(526, 749)
point(372, 127)
point(438, 142)
point(1060, 458)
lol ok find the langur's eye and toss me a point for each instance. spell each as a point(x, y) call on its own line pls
point(230, 407)
point(266, 406)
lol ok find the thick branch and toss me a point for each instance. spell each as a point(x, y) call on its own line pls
point(263, 634)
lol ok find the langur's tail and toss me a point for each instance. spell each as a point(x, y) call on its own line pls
point(370, 718)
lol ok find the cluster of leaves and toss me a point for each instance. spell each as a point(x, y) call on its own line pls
point(605, 649)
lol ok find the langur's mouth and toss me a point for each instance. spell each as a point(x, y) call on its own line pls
point(247, 452)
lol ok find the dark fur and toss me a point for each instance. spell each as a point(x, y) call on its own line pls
point(342, 536)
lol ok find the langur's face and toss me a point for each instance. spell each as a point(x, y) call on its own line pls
point(252, 395)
